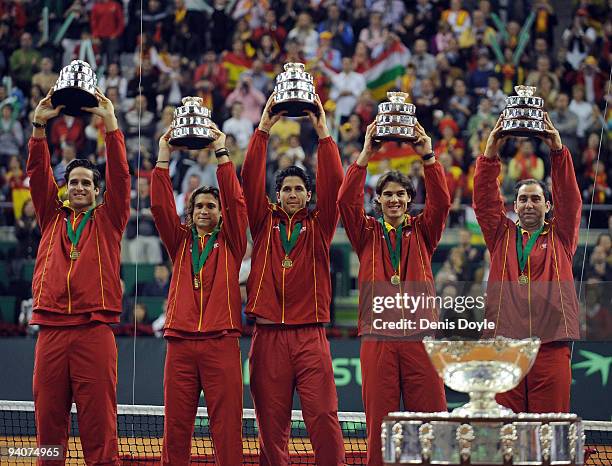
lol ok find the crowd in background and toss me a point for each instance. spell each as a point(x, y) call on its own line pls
point(460, 59)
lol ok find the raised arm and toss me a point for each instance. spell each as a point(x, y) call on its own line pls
point(163, 206)
point(117, 194)
point(351, 195)
point(42, 184)
point(233, 205)
point(329, 172)
point(437, 197)
point(254, 169)
point(565, 190)
point(488, 202)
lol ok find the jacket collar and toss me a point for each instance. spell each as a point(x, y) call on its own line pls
point(545, 231)
point(300, 215)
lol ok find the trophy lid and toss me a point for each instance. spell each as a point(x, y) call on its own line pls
point(294, 67)
point(192, 100)
point(398, 97)
point(525, 91)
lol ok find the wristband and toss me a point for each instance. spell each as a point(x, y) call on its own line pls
point(221, 152)
point(431, 155)
point(39, 125)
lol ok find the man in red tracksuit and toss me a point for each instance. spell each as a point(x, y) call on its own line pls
point(392, 367)
point(76, 290)
point(203, 317)
point(531, 286)
point(289, 293)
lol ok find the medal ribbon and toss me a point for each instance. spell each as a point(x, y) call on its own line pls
point(75, 236)
point(396, 253)
point(523, 255)
point(289, 243)
point(198, 260)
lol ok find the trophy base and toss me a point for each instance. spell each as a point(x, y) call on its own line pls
point(523, 133)
point(191, 142)
point(73, 99)
point(295, 108)
point(394, 138)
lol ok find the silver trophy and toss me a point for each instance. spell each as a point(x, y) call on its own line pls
point(523, 115)
point(192, 126)
point(75, 88)
point(482, 432)
point(294, 92)
point(395, 120)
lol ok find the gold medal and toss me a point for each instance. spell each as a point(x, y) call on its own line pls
point(287, 263)
point(74, 254)
point(395, 279)
point(196, 282)
point(523, 279)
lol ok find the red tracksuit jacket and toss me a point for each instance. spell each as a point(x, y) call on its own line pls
point(420, 237)
point(68, 292)
point(215, 306)
point(547, 306)
point(301, 294)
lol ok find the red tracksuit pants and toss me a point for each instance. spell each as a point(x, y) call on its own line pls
point(212, 365)
point(77, 363)
point(546, 388)
point(283, 359)
point(391, 369)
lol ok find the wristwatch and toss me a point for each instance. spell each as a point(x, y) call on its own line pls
point(429, 156)
point(39, 125)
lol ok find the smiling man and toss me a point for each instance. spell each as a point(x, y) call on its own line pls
point(203, 321)
point(289, 294)
point(76, 289)
point(394, 253)
point(531, 285)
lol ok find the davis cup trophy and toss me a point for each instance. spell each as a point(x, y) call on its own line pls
point(482, 432)
point(192, 126)
point(75, 88)
point(524, 114)
point(395, 120)
point(294, 91)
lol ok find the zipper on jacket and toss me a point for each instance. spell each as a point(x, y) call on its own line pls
point(201, 288)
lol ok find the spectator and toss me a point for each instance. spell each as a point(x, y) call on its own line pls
point(547, 91)
point(143, 243)
point(417, 178)
point(68, 152)
point(203, 169)
point(479, 34)
point(18, 185)
point(542, 69)
point(305, 34)
point(107, 26)
point(424, 63)
point(592, 79)
point(566, 122)
point(427, 103)
point(342, 32)
point(239, 126)
point(268, 50)
point(586, 112)
point(579, 38)
point(425, 17)
point(453, 270)
point(182, 199)
point(113, 78)
point(28, 235)
point(346, 88)
point(160, 285)
point(211, 70)
point(158, 324)
point(327, 54)
point(495, 95)
point(45, 78)
point(375, 35)
point(460, 104)
point(485, 115)
point(271, 28)
point(139, 121)
point(11, 132)
point(458, 18)
point(70, 129)
point(478, 80)
point(24, 61)
point(525, 164)
point(545, 21)
point(175, 83)
point(252, 99)
point(599, 268)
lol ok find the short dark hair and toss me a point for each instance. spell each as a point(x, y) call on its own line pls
point(201, 190)
point(293, 171)
point(528, 181)
point(393, 176)
point(85, 164)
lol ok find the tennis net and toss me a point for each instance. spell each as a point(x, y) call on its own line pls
point(141, 428)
